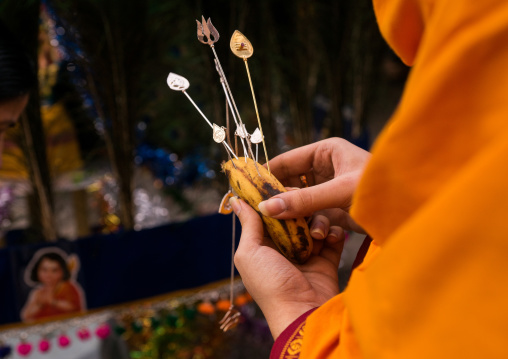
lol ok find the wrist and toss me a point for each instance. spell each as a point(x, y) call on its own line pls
point(280, 316)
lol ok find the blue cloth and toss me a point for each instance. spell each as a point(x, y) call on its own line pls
point(127, 266)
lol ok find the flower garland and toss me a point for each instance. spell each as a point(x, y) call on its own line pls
point(54, 330)
point(181, 326)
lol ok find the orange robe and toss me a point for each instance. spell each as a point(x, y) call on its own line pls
point(434, 198)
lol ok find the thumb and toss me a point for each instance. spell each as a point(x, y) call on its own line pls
point(335, 193)
point(252, 225)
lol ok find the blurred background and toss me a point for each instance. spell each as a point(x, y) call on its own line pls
point(106, 150)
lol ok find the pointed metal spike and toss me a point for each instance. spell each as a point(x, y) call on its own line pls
point(207, 33)
point(206, 30)
point(213, 31)
point(201, 36)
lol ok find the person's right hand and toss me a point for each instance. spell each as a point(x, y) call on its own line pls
point(333, 168)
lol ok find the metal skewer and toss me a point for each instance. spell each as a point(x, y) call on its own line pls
point(180, 83)
point(239, 125)
point(242, 48)
point(207, 31)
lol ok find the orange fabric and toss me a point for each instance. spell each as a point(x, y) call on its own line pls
point(434, 197)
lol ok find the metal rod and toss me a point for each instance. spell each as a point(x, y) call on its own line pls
point(197, 108)
point(231, 295)
point(236, 122)
point(257, 114)
point(206, 119)
point(229, 148)
point(223, 76)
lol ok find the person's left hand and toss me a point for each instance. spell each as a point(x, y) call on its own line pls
point(282, 289)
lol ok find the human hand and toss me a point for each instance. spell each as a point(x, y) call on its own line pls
point(333, 168)
point(282, 289)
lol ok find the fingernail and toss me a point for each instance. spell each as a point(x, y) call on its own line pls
point(272, 207)
point(237, 207)
point(317, 231)
point(333, 234)
point(333, 237)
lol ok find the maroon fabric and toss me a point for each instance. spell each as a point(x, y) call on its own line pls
point(280, 347)
point(362, 252)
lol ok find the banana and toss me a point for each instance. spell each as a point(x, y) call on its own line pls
point(254, 184)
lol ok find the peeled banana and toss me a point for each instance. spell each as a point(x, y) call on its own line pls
point(254, 184)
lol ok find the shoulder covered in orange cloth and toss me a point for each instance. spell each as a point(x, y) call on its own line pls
point(434, 197)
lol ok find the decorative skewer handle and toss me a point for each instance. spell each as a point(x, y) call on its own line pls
point(180, 83)
point(242, 48)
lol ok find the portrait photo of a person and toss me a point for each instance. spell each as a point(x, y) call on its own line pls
point(52, 274)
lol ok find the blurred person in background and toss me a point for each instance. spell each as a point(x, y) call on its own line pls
point(17, 78)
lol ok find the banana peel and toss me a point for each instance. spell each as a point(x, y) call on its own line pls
point(254, 184)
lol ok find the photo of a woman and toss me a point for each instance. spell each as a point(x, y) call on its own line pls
point(56, 292)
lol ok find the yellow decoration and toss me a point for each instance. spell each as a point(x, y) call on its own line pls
point(240, 45)
point(62, 148)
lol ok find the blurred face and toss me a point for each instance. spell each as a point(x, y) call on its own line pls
point(49, 273)
point(10, 111)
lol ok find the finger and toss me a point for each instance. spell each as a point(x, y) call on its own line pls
point(335, 235)
point(297, 182)
point(341, 218)
point(319, 227)
point(254, 234)
point(323, 158)
point(319, 231)
point(252, 225)
point(292, 188)
point(317, 246)
point(293, 163)
point(294, 204)
point(333, 245)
